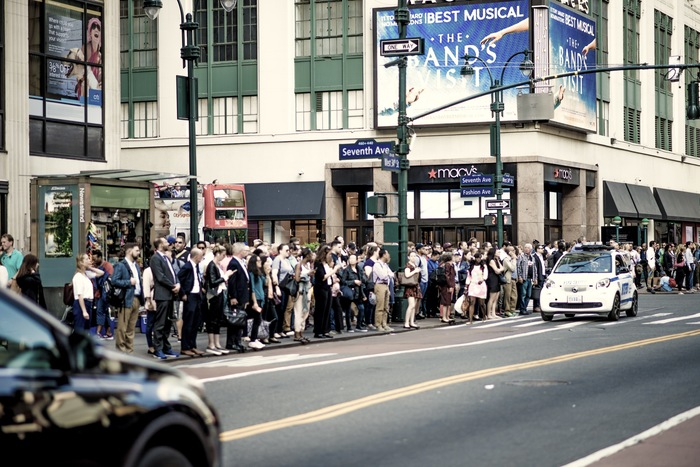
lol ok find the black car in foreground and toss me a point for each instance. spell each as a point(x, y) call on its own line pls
point(65, 400)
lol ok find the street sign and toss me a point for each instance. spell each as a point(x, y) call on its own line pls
point(473, 180)
point(479, 192)
point(508, 180)
point(492, 219)
point(497, 204)
point(401, 47)
point(364, 149)
point(391, 162)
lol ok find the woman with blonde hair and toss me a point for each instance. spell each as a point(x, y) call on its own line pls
point(83, 291)
point(216, 278)
point(412, 292)
point(302, 274)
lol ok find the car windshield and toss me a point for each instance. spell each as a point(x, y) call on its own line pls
point(575, 263)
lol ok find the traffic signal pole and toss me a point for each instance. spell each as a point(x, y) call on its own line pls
point(402, 16)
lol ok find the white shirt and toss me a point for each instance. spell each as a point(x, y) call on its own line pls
point(135, 275)
point(196, 288)
point(651, 257)
point(82, 286)
point(243, 265)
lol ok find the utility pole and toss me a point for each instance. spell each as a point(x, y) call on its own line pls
point(402, 16)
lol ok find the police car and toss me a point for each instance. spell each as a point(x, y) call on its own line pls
point(591, 278)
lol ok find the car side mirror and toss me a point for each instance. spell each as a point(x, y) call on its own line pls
point(82, 350)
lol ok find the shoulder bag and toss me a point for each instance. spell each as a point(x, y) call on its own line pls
point(235, 317)
point(411, 281)
point(290, 285)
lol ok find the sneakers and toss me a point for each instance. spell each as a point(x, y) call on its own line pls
point(223, 351)
point(360, 330)
point(171, 353)
point(289, 333)
point(216, 352)
point(159, 355)
point(257, 345)
point(371, 327)
point(246, 339)
point(387, 329)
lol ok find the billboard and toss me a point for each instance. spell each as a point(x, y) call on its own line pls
point(493, 31)
point(572, 47)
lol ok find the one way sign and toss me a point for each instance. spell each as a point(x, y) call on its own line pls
point(497, 204)
point(401, 47)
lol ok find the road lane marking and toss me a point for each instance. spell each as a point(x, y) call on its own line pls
point(387, 354)
point(527, 325)
point(636, 439)
point(478, 324)
point(255, 361)
point(636, 318)
point(673, 320)
point(344, 408)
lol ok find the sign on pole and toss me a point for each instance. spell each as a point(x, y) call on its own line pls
point(476, 192)
point(364, 149)
point(478, 179)
point(401, 47)
point(391, 162)
point(497, 204)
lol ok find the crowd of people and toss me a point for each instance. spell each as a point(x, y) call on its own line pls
point(286, 289)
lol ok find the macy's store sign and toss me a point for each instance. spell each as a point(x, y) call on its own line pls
point(444, 173)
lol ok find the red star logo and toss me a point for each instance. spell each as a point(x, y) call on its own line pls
point(432, 174)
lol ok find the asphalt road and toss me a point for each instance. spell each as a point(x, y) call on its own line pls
point(513, 392)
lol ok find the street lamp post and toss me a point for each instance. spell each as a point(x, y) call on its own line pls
point(645, 224)
point(189, 52)
point(616, 221)
point(497, 106)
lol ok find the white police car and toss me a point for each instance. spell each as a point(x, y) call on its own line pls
point(591, 278)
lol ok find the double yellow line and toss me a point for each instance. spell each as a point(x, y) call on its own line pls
point(337, 410)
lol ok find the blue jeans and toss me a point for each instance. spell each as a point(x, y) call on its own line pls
point(525, 293)
point(80, 323)
point(102, 315)
point(423, 289)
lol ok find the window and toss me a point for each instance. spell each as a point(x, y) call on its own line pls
point(599, 10)
point(138, 46)
point(229, 47)
point(65, 79)
point(692, 127)
point(632, 10)
point(24, 343)
point(329, 65)
point(663, 29)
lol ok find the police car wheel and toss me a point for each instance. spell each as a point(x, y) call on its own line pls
point(632, 312)
point(614, 314)
point(547, 317)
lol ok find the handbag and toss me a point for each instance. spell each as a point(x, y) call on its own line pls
point(502, 278)
point(347, 293)
point(411, 281)
point(536, 291)
point(235, 317)
point(290, 285)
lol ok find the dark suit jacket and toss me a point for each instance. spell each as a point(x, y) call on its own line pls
point(238, 283)
point(162, 278)
point(187, 278)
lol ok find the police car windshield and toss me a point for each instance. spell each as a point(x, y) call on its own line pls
point(575, 263)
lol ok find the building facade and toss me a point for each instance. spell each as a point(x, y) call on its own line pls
point(283, 85)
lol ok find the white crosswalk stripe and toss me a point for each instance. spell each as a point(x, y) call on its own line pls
point(638, 318)
point(673, 320)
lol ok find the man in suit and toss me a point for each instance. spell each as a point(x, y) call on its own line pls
point(238, 292)
point(191, 290)
point(166, 287)
point(127, 274)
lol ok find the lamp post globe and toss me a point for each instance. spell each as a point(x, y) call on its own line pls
point(616, 221)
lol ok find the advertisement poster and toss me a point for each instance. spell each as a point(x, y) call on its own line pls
point(491, 31)
point(69, 79)
point(172, 215)
point(572, 47)
point(58, 230)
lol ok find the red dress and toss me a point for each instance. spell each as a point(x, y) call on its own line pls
point(413, 291)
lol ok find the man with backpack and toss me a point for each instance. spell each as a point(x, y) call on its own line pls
point(103, 321)
point(127, 275)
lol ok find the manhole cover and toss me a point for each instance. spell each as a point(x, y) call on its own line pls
point(537, 383)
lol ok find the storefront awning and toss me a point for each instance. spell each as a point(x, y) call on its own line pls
point(122, 174)
point(644, 201)
point(678, 205)
point(617, 201)
point(286, 201)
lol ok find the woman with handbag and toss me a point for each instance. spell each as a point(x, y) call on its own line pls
point(351, 288)
point(411, 283)
point(83, 291)
point(447, 289)
point(493, 282)
point(476, 284)
point(323, 280)
point(217, 278)
point(257, 299)
point(29, 280)
point(269, 314)
point(302, 274)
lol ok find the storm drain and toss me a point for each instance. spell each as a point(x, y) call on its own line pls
point(537, 383)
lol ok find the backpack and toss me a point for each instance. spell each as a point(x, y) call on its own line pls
point(68, 294)
point(115, 295)
point(440, 276)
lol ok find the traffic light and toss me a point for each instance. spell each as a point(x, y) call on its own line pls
point(693, 108)
point(377, 206)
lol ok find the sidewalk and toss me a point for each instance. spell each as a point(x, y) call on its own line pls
point(141, 347)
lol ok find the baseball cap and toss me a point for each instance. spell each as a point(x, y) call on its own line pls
point(447, 245)
point(419, 246)
point(170, 239)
